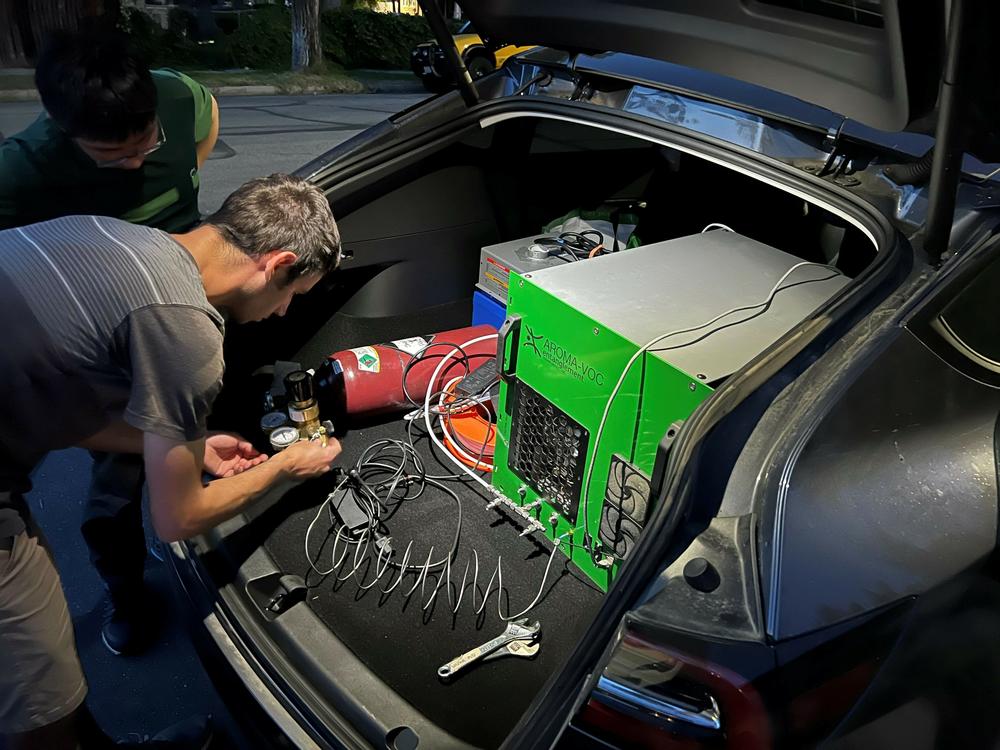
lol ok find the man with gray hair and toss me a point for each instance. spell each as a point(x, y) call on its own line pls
point(114, 342)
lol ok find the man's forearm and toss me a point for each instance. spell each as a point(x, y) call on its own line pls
point(117, 437)
point(220, 500)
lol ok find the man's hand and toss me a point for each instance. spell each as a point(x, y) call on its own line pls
point(309, 458)
point(227, 454)
point(182, 505)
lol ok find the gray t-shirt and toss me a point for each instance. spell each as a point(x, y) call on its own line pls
point(101, 319)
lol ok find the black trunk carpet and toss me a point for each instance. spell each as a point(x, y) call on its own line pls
point(403, 642)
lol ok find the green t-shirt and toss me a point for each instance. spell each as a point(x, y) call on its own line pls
point(44, 175)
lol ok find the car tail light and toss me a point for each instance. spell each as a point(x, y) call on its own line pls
point(651, 696)
point(820, 707)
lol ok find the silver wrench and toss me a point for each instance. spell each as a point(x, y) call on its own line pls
point(519, 630)
point(527, 649)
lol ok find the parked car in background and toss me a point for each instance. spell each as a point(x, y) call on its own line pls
point(429, 65)
point(817, 560)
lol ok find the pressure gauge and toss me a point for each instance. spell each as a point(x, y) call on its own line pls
point(272, 421)
point(282, 437)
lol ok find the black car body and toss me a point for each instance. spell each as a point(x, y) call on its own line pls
point(820, 564)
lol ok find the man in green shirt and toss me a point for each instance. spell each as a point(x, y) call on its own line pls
point(118, 140)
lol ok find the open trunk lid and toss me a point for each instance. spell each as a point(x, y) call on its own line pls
point(879, 62)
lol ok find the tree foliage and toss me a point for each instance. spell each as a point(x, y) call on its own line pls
point(24, 24)
point(366, 39)
point(262, 40)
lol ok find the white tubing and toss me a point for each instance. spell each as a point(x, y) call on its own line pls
point(451, 439)
point(427, 410)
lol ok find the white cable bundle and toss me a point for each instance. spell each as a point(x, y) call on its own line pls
point(364, 553)
point(427, 413)
point(368, 551)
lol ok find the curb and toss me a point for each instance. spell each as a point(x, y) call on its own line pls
point(270, 90)
point(367, 87)
point(19, 95)
point(244, 90)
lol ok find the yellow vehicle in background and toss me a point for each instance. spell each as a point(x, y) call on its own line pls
point(428, 63)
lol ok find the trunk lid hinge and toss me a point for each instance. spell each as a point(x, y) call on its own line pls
point(435, 19)
point(831, 142)
point(838, 166)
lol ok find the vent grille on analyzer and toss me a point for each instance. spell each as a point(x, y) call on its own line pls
point(548, 450)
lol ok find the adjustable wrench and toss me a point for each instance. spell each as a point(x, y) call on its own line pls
point(527, 649)
point(519, 630)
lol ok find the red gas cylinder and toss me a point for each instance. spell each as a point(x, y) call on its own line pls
point(368, 380)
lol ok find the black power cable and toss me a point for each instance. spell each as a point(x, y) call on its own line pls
point(381, 472)
point(575, 246)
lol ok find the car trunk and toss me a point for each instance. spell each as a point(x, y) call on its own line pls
point(367, 660)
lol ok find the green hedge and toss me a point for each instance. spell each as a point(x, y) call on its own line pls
point(366, 39)
point(173, 47)
point(262, 40)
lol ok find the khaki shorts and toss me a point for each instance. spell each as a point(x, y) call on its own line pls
point(40, 676)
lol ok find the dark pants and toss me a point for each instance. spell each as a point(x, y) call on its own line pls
point(112, 520)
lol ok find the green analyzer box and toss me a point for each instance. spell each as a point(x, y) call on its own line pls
point(570, 334)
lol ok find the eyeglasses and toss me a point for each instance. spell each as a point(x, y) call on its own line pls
point(161, 138)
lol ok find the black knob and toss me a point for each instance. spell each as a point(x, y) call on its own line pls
point(299, 386)
point(701, 575)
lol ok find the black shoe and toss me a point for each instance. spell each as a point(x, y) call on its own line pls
point(194, 733)
point(125, 630)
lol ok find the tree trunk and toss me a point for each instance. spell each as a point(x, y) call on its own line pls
point(11, 46)
point(24, 24)
point(306, 47)
point(49, 15)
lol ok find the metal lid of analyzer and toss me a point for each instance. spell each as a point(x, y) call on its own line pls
point(680, 286)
